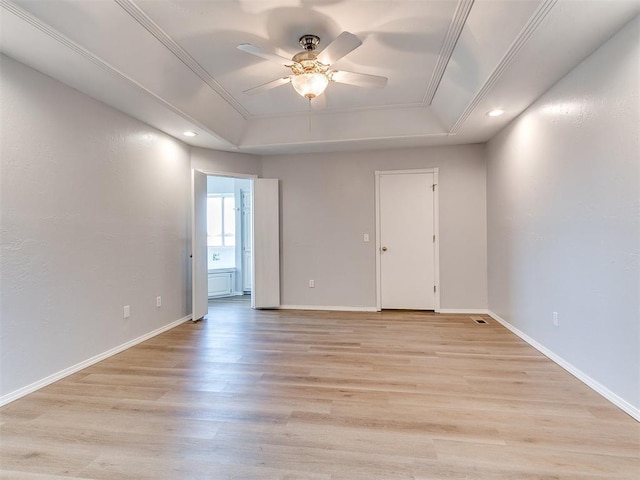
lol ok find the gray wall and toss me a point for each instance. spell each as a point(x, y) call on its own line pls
point(563, 222)
point(328, 203)
point(94, 212)
point(95, 215)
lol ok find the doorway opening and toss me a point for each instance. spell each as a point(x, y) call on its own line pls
point(245, 253)
point(229, 237)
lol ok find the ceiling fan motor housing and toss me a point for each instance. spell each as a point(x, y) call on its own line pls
point(309, 42)
point(306, 62)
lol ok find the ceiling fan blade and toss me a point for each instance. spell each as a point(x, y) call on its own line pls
point(345, 43)
point(259, 52)
point(359, 79)
point(267, 86)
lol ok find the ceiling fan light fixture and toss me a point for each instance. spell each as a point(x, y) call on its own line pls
point(310, 85)
point(311, 71)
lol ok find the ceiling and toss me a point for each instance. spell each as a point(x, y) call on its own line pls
point(174, 64)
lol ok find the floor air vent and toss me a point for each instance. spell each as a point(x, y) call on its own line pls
point(480, 321)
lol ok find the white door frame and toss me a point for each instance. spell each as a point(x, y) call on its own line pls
point(226, 174)
point(436, 229)
point(247, 240)
point(254, 290)
point(216, 173)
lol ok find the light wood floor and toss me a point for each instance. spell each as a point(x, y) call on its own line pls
point(321, 395)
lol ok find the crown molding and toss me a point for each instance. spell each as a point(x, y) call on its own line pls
point(448, 45)
point(163, 37)
point(514, 49)
point(103, 65)
point(338, 111)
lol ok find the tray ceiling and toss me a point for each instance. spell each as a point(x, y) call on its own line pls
point(174, 64)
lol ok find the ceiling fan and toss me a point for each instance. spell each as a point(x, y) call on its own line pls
point(311, 71)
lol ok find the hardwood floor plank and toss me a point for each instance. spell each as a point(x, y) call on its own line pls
point(122, 467)
point(289, 395)
point(535, 459)
point(15, 475)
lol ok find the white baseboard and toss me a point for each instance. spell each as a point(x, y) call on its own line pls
point(465, 311)
point(328, 308)
point(21, 392)
point(583, 377)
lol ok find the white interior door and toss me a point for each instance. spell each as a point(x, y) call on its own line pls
point(266, 244)
point(199, 287)
point(406, 240)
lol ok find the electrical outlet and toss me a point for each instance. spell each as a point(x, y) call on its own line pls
point(158, 301)
point(556, 320)
point(126, 311)
point(365, 237)
point(312, 283)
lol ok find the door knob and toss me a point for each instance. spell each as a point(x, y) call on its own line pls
point(384, 249)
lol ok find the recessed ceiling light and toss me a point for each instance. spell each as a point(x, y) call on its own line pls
point(495, 113)
point(189, 133)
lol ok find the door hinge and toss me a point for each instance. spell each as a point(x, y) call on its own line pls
point(434, 239)
point(433, 187)
point(434, 289)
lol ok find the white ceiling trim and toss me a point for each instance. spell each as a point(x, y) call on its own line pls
point(43, 27)
point(480, 55)
point(451, 39)
point(532, 24)
point(357, 143)
point(332, 111)
point(139, 16)
point(105, 66)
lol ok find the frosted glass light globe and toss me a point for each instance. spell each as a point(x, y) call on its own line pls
point(310, 85)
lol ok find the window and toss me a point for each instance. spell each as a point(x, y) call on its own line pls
point(221, 220)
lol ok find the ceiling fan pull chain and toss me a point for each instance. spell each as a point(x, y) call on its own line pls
point(309, 116)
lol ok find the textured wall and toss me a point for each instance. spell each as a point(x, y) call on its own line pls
point(563, 199)
point(214, 161)
point(94, 216)
point(328, 203)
